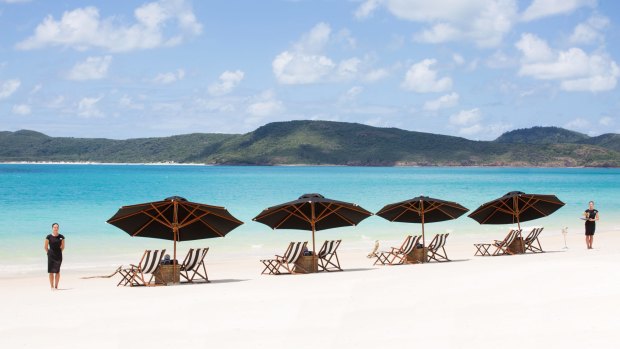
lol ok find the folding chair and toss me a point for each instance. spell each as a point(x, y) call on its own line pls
point(438, 243)
point(286, 261)
point(194, 261)
point(328, 258)
point(134, 275)
point(501, 246)
point(532, 243)
point(398, 255)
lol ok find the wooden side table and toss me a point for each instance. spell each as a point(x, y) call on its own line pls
point(517, 246)
point(167, 273)
point(307, 264)
point(418, 255)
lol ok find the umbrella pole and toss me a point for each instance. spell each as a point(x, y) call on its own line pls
point(314, 263)
point(175, 233)
point(423, 240)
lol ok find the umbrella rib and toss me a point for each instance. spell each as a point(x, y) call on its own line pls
point(134, 213)
point(291, 213)
point(153, 219)
point(232, 219)
point(332, 211)
point(529, 205)
point(213, 229)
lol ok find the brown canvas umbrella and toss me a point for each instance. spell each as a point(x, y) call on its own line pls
point(422, 209)
point(516, 207)
point(312, 212)
point(176, 219)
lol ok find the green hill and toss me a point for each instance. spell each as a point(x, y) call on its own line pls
point(541, 135)
point(317, 143)
point(607, 140)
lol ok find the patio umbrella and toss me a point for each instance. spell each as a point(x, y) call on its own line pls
point(422, 209)
point(516, 207)
point(312, 212)
point(176, 219)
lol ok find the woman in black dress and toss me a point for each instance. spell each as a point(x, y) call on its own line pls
point(54, 244)
point(591, 216)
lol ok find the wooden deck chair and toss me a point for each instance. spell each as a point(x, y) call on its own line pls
point(398, 255)
point(328, 258)
point(501, 246)
point(135, 274)
point(194, 265)
point(531, 242)
point(286, 261)
point(437, 247)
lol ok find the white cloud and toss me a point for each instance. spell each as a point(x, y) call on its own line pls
point(295, 68)
point(36, 88)
point(578, 124)
point(13, 1)
point(305, 64)
point(589, 32)
point(470, 123)
point(265, 105)
point(606, 121)
point(367, 8)
point(348, 68)
point(170, 77)
point(545, 8)
point(421, 78)
point(127, 102)
point(376, 74)
point(351, 94)
point(574, 68)
point(466, 117)
point(227, 82)
point(56, 103)
point(315, 40)
point(445, 101)
point(93, 68)
point(8, 87)
point(22, 109)
point(499, 60)
point(534, 49)
point(83, 28)
point(87, 107)
point(485, 22)
point(458, 59)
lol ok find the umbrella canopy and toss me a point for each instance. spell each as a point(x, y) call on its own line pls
point(176, 219)
point(312, 212)
point(422, 209)
point(516, 207)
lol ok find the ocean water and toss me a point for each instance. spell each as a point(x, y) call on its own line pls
point(82, 197)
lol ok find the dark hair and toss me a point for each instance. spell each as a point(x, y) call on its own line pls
point(53, 224)
point(591, 202)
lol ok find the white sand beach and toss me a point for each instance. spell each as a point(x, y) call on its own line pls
point(559, 299)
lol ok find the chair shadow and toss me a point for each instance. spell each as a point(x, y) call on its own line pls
point(352, 270)
point(227, 281)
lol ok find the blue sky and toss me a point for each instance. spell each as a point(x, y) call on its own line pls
point(476, 68)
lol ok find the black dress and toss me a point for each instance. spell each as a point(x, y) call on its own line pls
point(54, 253)
point(591, 225)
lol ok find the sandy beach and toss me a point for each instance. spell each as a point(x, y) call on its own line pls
point(563, 298)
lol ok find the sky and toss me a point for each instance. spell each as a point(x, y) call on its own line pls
point(475, 69)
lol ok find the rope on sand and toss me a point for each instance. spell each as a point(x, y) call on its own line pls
point(104, 276)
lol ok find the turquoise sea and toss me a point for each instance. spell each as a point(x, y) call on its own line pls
point(82, 197)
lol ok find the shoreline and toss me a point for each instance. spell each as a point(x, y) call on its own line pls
point(288, 165)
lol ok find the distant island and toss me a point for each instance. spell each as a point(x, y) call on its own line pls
point(324, 143)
